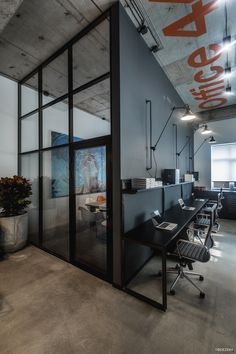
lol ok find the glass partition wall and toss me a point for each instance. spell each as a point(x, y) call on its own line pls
point(65, 150)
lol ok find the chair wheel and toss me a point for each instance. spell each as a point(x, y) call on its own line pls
point(201, 278)
point(202, 295)
point(172, 292)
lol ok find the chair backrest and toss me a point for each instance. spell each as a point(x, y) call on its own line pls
point(220, 197)
point(86, 215)
point(209, 242)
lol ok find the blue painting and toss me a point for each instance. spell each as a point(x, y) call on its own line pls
point(90, 168)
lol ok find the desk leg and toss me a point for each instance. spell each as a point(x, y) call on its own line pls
point(164, 284)
point(162, 306)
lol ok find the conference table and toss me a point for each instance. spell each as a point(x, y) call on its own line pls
point(93, 206)
point(147, 235)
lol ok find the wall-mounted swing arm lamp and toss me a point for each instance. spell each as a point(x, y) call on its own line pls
point(187, 116)
point(210, 139)
point(189, 138)
point(188, 141)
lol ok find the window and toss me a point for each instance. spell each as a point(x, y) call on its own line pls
point(223, 166)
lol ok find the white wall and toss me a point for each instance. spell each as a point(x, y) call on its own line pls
point(224, 131)
point(8, 127)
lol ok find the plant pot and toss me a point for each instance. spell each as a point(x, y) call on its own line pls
point(13, 232)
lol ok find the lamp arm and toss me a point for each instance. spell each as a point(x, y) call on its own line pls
point(201, 146)
point(189, 138)
point(154, 146)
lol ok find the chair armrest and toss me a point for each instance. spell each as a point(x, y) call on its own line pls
point(201, 215)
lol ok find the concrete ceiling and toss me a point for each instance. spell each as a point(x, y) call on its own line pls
point(7, 10)
point(210, 21)
point(32, 30)
point(38, 28)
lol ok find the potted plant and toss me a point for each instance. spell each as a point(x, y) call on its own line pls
point(14, 194)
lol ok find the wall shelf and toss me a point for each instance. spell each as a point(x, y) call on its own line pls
point(134, 191)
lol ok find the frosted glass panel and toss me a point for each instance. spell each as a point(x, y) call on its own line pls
point(29, 133)
point(55, 125)
point(92, 111)
point(91, 207)
point(29, 95)
point(56, 201)
point(29, 169)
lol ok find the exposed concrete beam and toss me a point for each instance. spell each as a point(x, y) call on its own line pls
point(218, 114)
point(7, 9)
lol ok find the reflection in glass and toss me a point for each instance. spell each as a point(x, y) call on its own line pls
point(29, 133)
point(29, 169)
point(29, 95)
point(55, 78)
point(91, 207)
point(55, 125)
point(91, 55)
point(56, 201)
point(92, 111)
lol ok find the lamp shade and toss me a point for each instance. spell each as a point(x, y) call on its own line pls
point(206, 130)
point(212, 140)
point(188, 115)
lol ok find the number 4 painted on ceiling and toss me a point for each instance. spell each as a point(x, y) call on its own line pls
point(197, 16)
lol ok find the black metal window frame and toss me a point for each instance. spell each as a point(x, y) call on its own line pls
point(72, 146)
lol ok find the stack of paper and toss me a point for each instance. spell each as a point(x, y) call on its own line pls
point(145, 183)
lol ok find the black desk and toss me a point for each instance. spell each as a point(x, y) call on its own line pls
point(147, 235)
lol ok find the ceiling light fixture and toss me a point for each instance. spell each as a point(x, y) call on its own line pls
point(228, 90)
point(228, 73)
point(206, 130)
point(138, 14)
point(227, 44)
point(154, 49)
point(143, 29)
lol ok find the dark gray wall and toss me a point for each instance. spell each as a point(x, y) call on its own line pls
point(138, 207)
point(171, 196)
point(142, 78)
point(187, 190)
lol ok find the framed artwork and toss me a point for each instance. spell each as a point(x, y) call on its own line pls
point(90, 168)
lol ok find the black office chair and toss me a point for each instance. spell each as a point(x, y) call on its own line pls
point(218, 208)
point(186, 253)
point(220, 197)
point(200, 232)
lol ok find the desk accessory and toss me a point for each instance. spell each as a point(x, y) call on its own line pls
point(163, 225)
point(183, 206)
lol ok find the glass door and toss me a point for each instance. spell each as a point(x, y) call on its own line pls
point(92, 198)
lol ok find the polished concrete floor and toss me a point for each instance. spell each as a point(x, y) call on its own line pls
point(48, 306)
